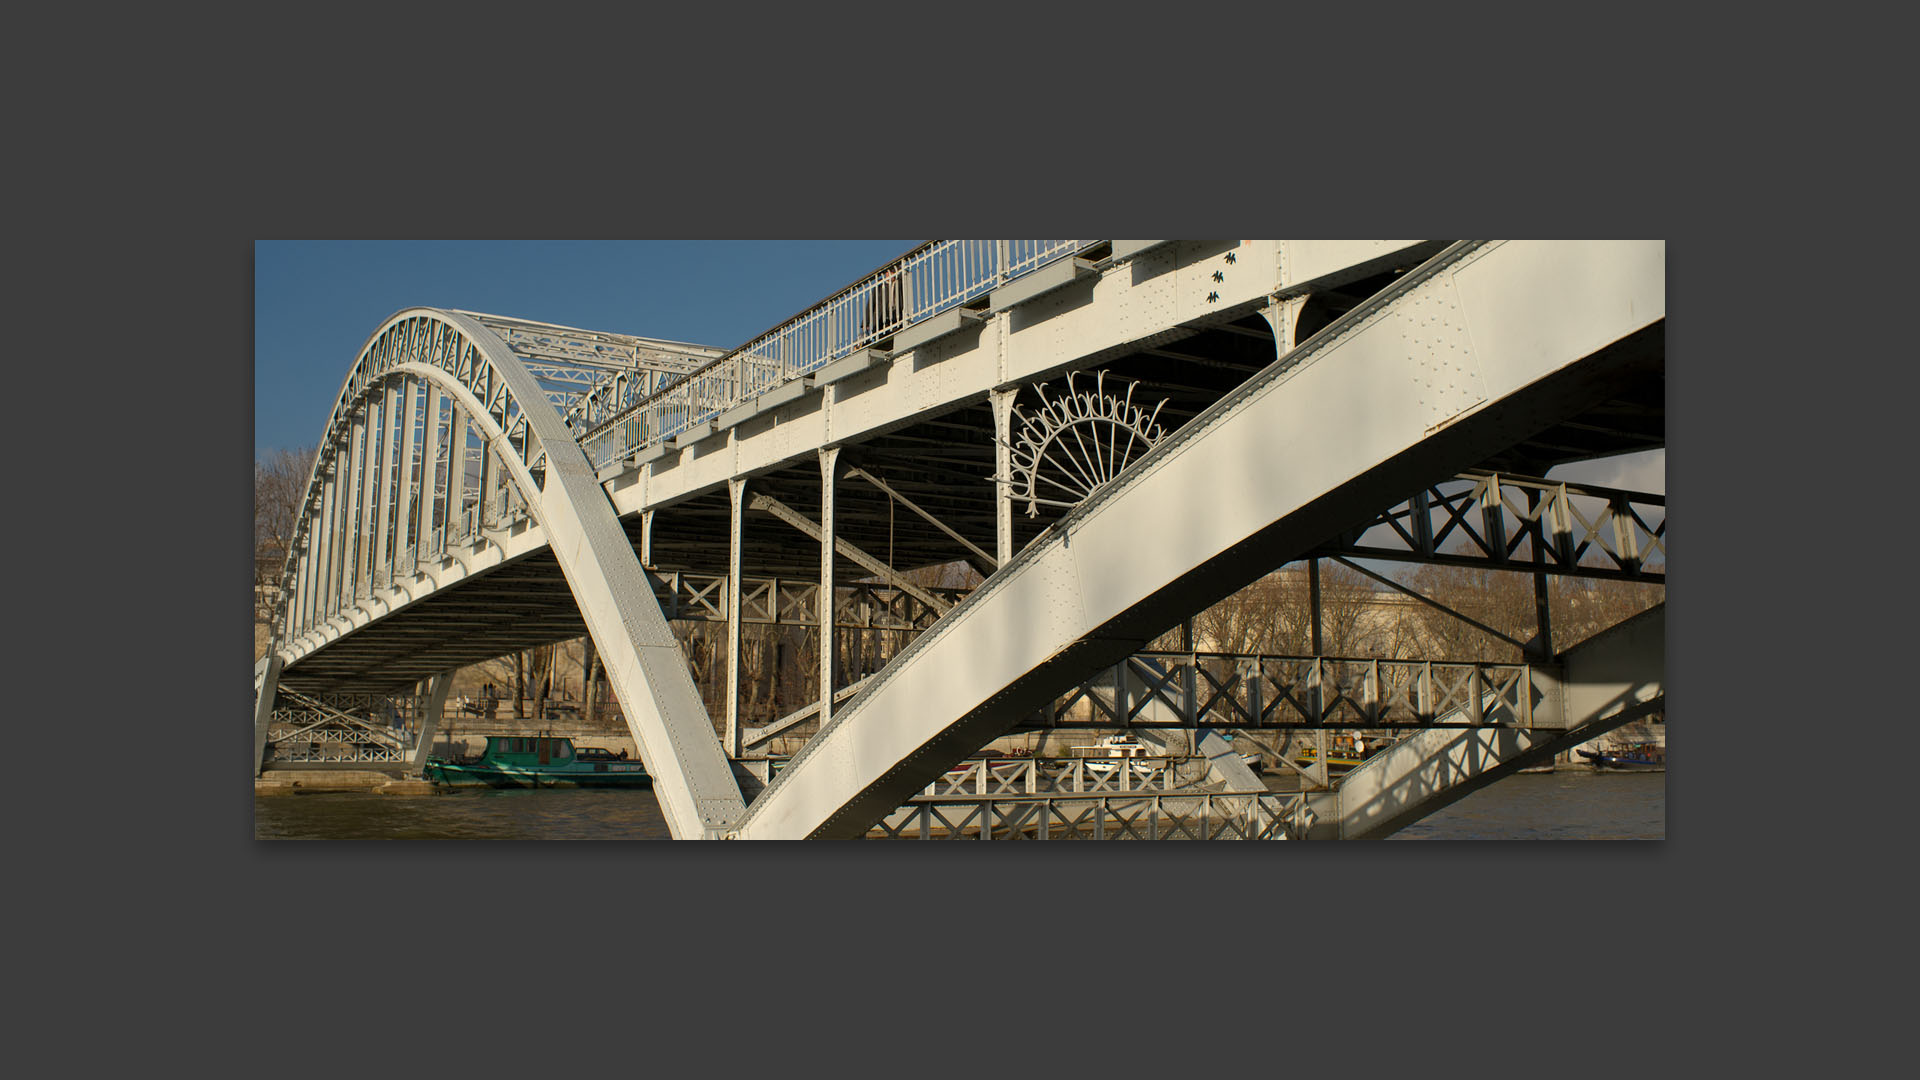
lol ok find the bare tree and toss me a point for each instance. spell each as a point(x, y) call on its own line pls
point(1583, 607)
point(279, 484)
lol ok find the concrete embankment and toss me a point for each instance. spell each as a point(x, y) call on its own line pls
point(321, 781)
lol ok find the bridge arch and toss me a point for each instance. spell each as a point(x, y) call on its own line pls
point(466, 362)
point(464, 359)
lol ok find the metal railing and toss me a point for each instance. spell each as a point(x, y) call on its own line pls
point(1048, 776)
point(1237, 690)
point(620, 417)
point(1152, 816)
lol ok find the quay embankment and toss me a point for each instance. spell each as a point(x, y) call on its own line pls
point(324, 781)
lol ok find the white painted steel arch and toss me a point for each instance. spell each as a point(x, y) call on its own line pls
point(467, 361)
point(1458, 359)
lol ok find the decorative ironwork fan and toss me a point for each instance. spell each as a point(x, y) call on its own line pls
point(1072, 444)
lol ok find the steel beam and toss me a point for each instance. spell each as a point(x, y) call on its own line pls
point(761, 735)
point(989, 562)
point(892, 577)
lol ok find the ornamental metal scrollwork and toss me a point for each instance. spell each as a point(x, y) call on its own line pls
point(1072, 444)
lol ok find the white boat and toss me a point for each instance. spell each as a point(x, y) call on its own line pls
point(1106, 755)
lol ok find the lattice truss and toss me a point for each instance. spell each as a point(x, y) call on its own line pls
point(1521, 522)
point(1159, 816)
point(792, 602)
point(1049, 776)
point(1227, 690)
point(342, 727)
point(571, 362)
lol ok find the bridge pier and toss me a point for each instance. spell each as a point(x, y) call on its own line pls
point(266, 684)
point(430, 716)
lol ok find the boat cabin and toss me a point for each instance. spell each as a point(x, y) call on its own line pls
point(528, 750)
point(1114, 746)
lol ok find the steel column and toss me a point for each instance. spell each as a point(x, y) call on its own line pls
point(363, 553)
point(350, 516)
point(383, 514)
point(1317, 693)
point(736, 493)
point(1542, 607)
point(429, 471)
point(402, 517)
point(489, 479)
point(1002, 402)
point(829, 461)
point(324, 591)
point(303, 611)
point(456, 475)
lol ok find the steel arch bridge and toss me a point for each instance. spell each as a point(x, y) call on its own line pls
point(487, 483)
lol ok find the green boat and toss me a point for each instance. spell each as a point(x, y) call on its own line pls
point(537, 761)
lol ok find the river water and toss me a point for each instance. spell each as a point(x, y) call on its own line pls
point(1570, 804)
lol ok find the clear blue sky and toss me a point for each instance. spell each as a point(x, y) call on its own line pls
point(315, 302)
